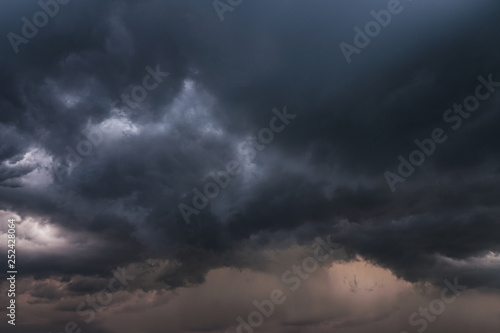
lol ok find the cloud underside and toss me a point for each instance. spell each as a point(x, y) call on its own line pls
point(323, 174)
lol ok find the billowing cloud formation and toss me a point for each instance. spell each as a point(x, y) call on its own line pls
point(100, 146)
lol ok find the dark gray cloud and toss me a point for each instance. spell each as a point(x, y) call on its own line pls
point(119, 205)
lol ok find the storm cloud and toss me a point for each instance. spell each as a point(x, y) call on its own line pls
point(97, 185)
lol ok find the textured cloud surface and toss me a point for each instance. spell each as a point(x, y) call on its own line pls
point(115, 115)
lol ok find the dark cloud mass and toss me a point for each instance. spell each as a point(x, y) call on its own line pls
point(323, 174)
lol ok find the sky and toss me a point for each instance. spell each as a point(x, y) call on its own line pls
point(251, 166)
